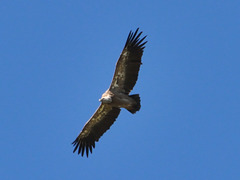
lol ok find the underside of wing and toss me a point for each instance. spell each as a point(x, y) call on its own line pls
point(128, 65)
point(96, 126)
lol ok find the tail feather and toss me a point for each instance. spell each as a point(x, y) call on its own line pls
point(133, 109)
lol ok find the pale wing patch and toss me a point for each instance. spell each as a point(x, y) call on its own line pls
point(119, 77)
point(102, 111)
point(125, 53)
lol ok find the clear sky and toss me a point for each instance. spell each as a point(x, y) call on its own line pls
point(58, 57)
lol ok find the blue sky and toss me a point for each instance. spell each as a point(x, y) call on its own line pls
point(58, 57)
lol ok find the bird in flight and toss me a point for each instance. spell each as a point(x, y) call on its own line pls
point(116, 97)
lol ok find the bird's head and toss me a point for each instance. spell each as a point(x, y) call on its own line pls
point(106, 99)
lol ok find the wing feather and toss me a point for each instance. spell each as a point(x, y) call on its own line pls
point(95, 127)
point(128, 65)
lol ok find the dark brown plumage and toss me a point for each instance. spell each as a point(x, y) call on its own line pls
point(116, 97)
point(100, 122)
point(129, 63)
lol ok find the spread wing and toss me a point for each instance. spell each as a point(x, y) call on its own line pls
point(128, 65)
point(96, 126)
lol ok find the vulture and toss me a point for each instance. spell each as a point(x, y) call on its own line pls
point(116, 97)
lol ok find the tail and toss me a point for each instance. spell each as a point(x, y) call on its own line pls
point(136, 107)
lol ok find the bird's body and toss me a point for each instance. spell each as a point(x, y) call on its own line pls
point(116, 97)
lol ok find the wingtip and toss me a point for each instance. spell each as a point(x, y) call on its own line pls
point(82, 147)
point(134, 40)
